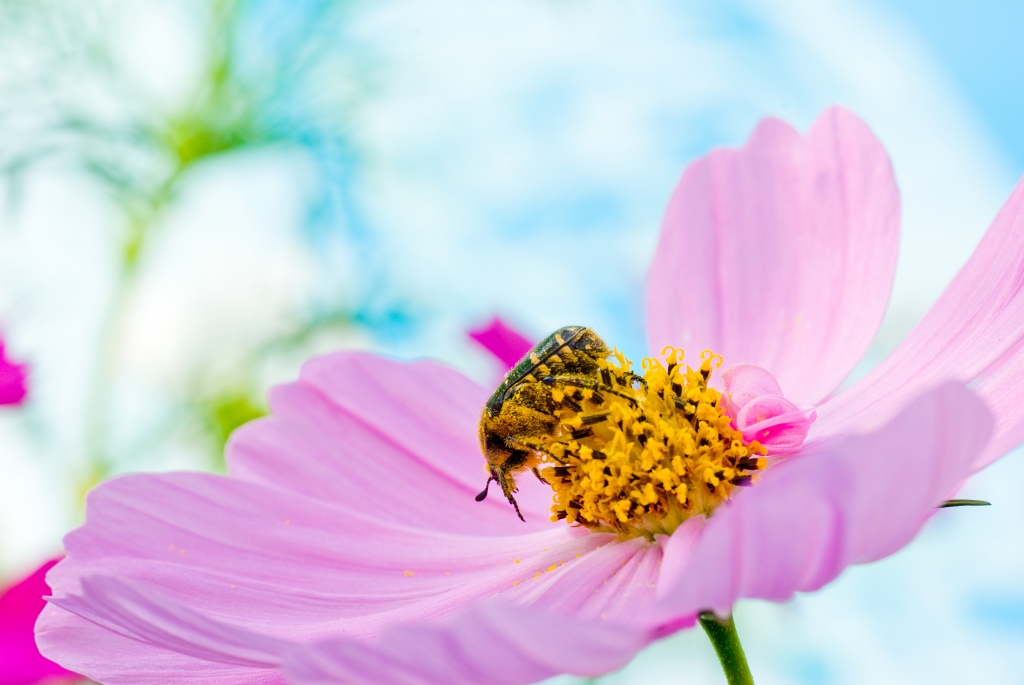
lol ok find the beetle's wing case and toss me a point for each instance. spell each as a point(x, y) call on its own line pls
point(582, 344)
point(573, 351)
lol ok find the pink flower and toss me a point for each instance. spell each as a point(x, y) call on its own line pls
point(345, 546)
point(20, 660)
point(506, 344)
point(13, 379)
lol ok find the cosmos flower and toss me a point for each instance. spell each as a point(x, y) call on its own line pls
point(345, 545)
point(20, 661)
point(13, 379)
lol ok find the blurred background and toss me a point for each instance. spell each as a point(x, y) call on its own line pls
point(197, 195)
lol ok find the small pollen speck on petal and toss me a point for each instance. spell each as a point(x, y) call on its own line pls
point(409, 573)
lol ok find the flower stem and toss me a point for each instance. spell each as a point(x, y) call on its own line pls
point(726, 642)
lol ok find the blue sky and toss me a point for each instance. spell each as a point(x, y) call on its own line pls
point(981, 45)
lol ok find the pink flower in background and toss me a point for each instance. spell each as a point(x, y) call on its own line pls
point(20, 604)
point(20, 661)
point(506, 344)
point(13, 379)
point(345, 545)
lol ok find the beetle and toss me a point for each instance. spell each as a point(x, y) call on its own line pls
point(521, 412)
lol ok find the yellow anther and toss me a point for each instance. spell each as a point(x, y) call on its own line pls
point(666, 451)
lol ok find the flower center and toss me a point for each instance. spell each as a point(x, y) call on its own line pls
point(640, 455)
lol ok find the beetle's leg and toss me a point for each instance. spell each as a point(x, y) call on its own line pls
point(590, 384)
point(515, 504)
point(503, 478)
point(632, 377)
point(517, 442)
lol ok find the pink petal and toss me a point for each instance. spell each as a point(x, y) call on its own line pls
point(489, 644)
point(1004, 393)
point(744, 382)
point(753, 398)
point(135, 610)
point(221, 555)
point(396, 439)
point(20, 604)
point(13, 380)
point(780, 254)
point(854, 500)
point(506, 344)
point(763, 408)
point(297, 563)
point(974, 331)
point(252, 584)
point(81, 645)
point(613, 582)
point(783, 433)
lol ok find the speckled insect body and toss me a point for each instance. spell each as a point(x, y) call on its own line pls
point(522, 409)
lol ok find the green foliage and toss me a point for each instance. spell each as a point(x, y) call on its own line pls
point(226, 412)
point(274, 74)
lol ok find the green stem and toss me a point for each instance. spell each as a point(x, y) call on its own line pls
point(726, 641)
point(98, 462)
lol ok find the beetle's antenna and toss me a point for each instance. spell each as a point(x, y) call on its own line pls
point(483, 495)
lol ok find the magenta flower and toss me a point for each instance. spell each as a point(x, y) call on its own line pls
point(20, 660)
point(506, 344)
point(13, 379)
point(345, 545)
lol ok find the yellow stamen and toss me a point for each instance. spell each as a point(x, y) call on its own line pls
point(641, 460)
